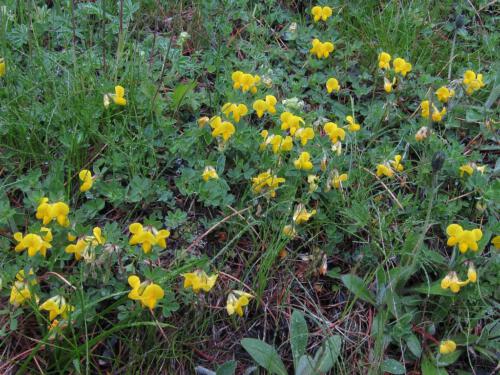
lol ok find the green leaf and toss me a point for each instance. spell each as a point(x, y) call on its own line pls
point(357, 286)
point(298, 335)
point(265, 355)
point(393, 367)
point(328, 353)
point(414, 345)
point(305, 366)
point(227, 368)
point(433, 289)
point(180, 92)
point(448, 359)
point(428, 368)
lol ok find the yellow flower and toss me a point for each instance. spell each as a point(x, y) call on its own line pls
point(148, 236)
point(472, 273)
point(422, 133)
point(334, 132)
point(209, 173)
point(199, 280)
point(2, 67)
point(305, 135)
point(268, 105)
point(337, 180)
point(321, 13)
point(202, 121)
point(466, 239)
point(401, 66)
point(119, 96)
point(146, 292)
point(384, 170)
point(332, 85)
point(34, 243)
point(301, 215)
point(383, 60)
point(245, 82)
point(237, 110)
point(48, 212)
point(21, 291)
point(472, 82)
point(84, 246)
point(321, 50)
point(290, 121)
point(388, 84)
point(466, 168)
point(447, 347)
point(221, 128)
point(280, 144)
point(426, 111)
point(438, 115)
point(289, 231)
point(353, 126)
point(496, 242)
point(86, 177)
point(312, 181)
point(236, 301)
point(266, 181)
point(56, 306)
point(396, 163)
point(303, 161)
point(452, 282)
point(444, 94)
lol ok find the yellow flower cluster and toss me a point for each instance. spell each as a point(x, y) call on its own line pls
point(301, 215)
point(199, 280)
point(321, 13)
point(452, 281)
point(237, 110)
point(399, 65)
point(118, 97)
point(437, 115)
point(57, 306)
point(267, 105)
point(87, 180)
point(221, 128)
point(267, 182)
point(245, 82)
point(2, 67)
point(472, 82)
point(85, 245)
point(332, 84)
point(465, 239)
point(146, 293)
point(48, 212)
point(148, 236)
point(279, 144)
point(209, 173)
point(236, 301)
point(447, 347)
point(389, 168)
point(334, 132)
point(444, 94)
point(304, 134)
point(303, 161)
point(21, 289)
point(320, 49)
point(290, 122)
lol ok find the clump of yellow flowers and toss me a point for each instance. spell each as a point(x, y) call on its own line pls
point(209, 173)
point(472, 82)
point(57, 306)
point(236, 301)
point(399, 65)
point(21, 289)
point(321, 49)
point(290, 122)
point(321, 13)
point(221, 128)
point(148, 237)
point(447, 347)
point(267, 105)
point(266, 182)
point(279, 144)
point(34, 243)
point(147, 293)
point(301, 215)
point(236, 110)
point(2, 67)
point(199, 280)
point(465, 239)
point(332, 84)
point(87, 180)
point(303, 161)
point(389, 168)
point(48, 212)
point(245, 82)
point(85, 245)
point(118, 97)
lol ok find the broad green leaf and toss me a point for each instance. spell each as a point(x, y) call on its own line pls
point(433, 289)
point(448, 359)
point(180, 92)
point(305, 366)
point(298, 335)
point(227, 368)
point(357, 286)
point(393, 367)
point(265, 355)
point(414, 345)
point(428, 368)
point(328, 353)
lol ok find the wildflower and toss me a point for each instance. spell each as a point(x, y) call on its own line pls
point(53, 211)
point(321, 13)
point(87, 180)
point(396, 163)
point(305, 135)
point(290, 121)
point(422, 133)
point(202, 121)
point(199, 280)
point(466, 239)
point(34, 243)
point(353, 126)
point(334, 132)
point(2, 67)
point(148, 237)
point(85, 245)
point(337, 148)
point(146, 292)
point(384, 60)
point(312, 181)
point(452, 282)
point(401, 66)
point(289, 231)
point(447, 347)
point(280, 144)
point(268, 105)
point(236, 301)
point(384, 170)
point(245, 82)
point(267, 181)
point(237, 110)
point(496, 242)
point(437, 116)
point(209, 173)
point(221, 128)
point(118, 97)
point(338, 179)
point(332, 85)
point(303, 161)
point(466, 168)
point(19, 293)
point(444, 94)
point(321, 50)
point(472, 273)
point(301, 215)
point(57, 306)
point(425, 105)
point(472, 82)
point(388, 84)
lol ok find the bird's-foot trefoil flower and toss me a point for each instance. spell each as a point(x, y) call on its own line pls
point(209, 173)
point(199, 280)
point(447, 347)
point(48, 212)
point(148, 236)
point(86, 245)
point(304, 134)
point(236, 302)
point(332, 85)
point(320, 49)
point(57, 306)
point(236, 110)
point(147, 293)
point(472, 82)
point(384, 60)
point(352, 126)
point(444, 94)
point(303, 161)
point(266, 182)
point(321, 13)
point(401, 66)
point(301, 215)
point(452, 282)
point(465, 239)
point(87, 180)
